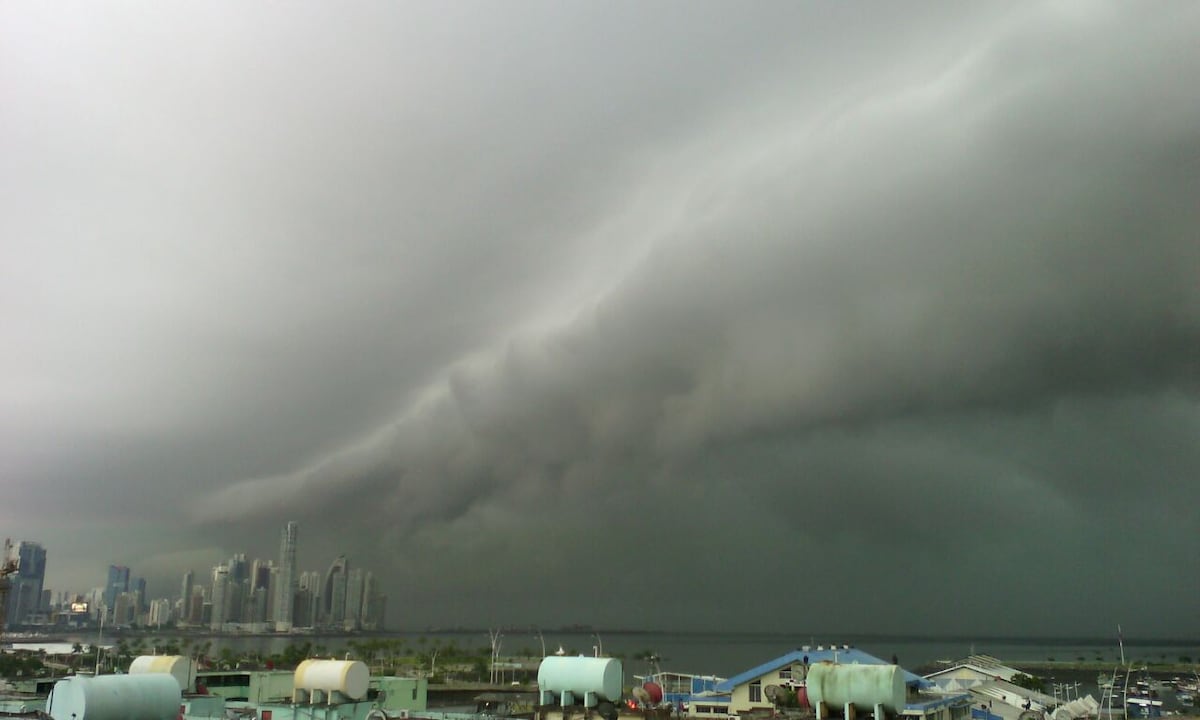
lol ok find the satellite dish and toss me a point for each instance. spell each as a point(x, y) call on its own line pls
point(642, 696)
point(775, 694)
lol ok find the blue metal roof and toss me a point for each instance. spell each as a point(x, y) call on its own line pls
point(936, 702)
point(845, 656)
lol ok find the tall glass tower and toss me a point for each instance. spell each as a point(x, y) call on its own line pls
point(118, 582)
point(285, 589)
point(25, 589)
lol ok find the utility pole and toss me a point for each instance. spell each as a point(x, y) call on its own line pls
point(495, 636)
point(99, 637)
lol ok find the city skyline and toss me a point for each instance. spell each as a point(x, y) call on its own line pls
point(240, 595)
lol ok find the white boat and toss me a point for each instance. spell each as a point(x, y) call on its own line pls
point(1144, 707)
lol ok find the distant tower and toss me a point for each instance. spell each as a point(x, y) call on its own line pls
point(118, 582)
point(285, 587)
point(355, 579)
point(25, 591)
point(310, 591)
point(185, 594)
point(333, 595)
point(220, 597)
point(373, 604)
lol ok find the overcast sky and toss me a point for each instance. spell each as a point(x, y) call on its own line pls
point(816, 316)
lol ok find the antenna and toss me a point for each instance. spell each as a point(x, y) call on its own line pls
point(775, 694)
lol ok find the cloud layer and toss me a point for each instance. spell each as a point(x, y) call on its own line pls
point(655, 309)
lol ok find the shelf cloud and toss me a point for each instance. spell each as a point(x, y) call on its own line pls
point(673, 305)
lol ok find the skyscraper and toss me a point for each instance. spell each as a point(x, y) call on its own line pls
point(333, 595)
point(25, 587)
point(118, 582)
point(220, 597)
point(374, 604)
point(355, 579)
point(185, 594)
point(285, 587)
point(137, 586)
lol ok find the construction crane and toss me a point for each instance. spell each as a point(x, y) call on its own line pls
point(8, 566)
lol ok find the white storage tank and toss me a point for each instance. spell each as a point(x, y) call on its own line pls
point(572, 679)
point(865, 686)
point(177, 666)
point(348, 677)
point(152, 696)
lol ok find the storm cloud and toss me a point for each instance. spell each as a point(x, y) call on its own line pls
point(625, 313)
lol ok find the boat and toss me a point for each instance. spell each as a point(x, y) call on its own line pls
point(1143, 707)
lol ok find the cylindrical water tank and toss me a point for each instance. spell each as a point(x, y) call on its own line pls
point(349, 677)
point(177, 666)
point(153, 696)
point(581, 675)
point(863, 685)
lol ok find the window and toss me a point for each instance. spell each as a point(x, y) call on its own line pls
point(756, 691)
point(785, 673)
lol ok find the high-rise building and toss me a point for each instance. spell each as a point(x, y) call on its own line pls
point(309, 594)
point(185, 595)
point(26, 585)
point(137, 586)
point(196, 606)
point(260, 574)
point(256, 606)
point(333, 593)
point(118, 582)
point(354, 598)
point(160, 612)
point(220, 597)
point(374, 604)
point(124, 610)
point(285, 585)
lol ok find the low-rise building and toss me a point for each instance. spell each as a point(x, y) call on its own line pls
point(781, 682)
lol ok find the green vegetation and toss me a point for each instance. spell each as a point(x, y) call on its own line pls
point(22, 664)
point(1029, 682)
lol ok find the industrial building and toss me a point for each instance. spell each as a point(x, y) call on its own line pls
point(820, 676)
point(168, 687)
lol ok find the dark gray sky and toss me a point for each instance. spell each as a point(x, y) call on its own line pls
point(846, 317)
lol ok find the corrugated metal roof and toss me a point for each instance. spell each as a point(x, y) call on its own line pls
point(842, 655)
